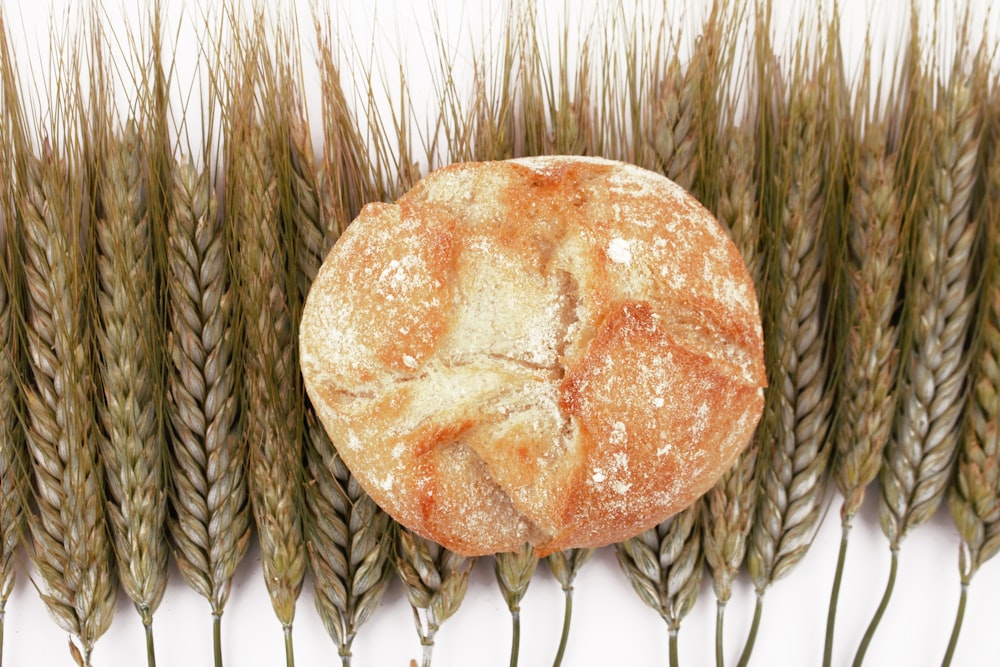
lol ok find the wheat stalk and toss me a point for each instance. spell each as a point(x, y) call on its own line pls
point(920, 455)
point(132, 443)
point(209, 522)
point(974, 494)
point(12, 465)
point(434, 580)
point(12, 487)
point(71, 548)
point(565, 565)
point(259, 201)
point(795, 449)
point(868, 384)
point(930, 406)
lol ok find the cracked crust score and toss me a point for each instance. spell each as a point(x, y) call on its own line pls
point(557, 350)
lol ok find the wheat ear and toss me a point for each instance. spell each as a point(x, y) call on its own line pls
point(347, 537)
point(209, 521)
point(867, 385)
point(71, 548)
point(664, 566)
point(939, 303)
point(12, 465)
point(974, 494)
point(794, 451)
point(513, 571)
point(132, 442)
point(434, 580)
point(274, 417)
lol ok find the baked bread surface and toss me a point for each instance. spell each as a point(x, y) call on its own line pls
point(558, 350)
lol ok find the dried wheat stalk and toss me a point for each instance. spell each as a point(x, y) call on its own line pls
point(71, 548)
point(794, 452)
point(974, 494)
point(867, 384)
point(565, 565)
point(131, 371)
point(274, 416)
point(672, 146)
point(874, 273)
point(209, 522)
point(434, 580)
point(11, 442)
point(920, 455)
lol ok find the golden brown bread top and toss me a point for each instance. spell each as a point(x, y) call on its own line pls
point(557, 350)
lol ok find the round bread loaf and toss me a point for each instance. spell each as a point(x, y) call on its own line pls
point(556, 350)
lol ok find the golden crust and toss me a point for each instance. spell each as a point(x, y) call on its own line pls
point(557, 350)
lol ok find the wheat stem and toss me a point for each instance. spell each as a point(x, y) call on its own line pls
point(957, 626)
point(564, 566)
point(751, 640)
point(567, 617)
point(831, 614)
point(720, 615)
point(147, 625)
point(672, 655)
point(289, 650)
point(883, 604)
point(217, 638)
point(515, 636)
point(513, 573)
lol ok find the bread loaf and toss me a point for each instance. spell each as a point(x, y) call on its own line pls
point(558, 350)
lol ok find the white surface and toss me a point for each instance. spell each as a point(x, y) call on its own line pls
point(610, 624)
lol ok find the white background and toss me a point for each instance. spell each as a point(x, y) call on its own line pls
point(610, 624)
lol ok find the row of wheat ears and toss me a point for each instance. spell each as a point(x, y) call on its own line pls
point(149, 306)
